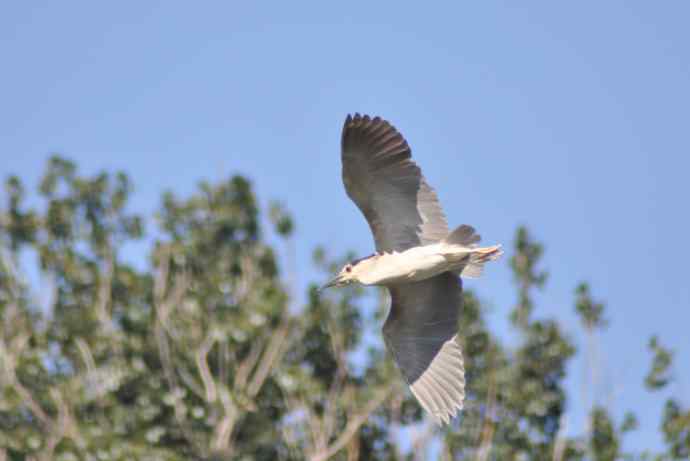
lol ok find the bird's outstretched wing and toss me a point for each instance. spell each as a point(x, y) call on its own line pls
point(388, 187)
point(421, 333)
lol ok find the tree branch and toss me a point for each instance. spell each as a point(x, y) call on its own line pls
point(204, 370)
point(9, 376)
point(271, 355)
point(248, 364)
point(354, 422)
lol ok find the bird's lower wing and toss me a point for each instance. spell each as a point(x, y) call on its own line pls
point(421, 333)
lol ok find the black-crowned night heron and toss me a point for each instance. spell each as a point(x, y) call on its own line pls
point(416, 258)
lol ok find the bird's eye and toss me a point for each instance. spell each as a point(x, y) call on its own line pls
point(348, 268)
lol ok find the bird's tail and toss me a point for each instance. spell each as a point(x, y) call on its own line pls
point(464, 240)
point(464, 236)
point(478, 257)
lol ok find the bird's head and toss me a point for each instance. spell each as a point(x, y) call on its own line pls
point(350, 273)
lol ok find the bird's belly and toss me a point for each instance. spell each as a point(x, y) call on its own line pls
point(412, 265)
point(427, 267)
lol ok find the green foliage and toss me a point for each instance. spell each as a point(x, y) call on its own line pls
point(205, 354)
point(675, 423)
point(527, 276)
point(591, 313)
point(18, 227)
point(605, 444)
point(676, 428)
point(630, 423)
point(281, 219)
point(659, 375)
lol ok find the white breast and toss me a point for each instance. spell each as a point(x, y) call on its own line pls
point(417, 263)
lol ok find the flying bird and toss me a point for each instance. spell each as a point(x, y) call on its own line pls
point(417, 259)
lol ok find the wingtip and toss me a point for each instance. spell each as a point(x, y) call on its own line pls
point(444, 418)
point(352, 120)
point(440, 390)
point(357, 118)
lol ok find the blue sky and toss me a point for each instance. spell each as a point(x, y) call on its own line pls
point(570, 118)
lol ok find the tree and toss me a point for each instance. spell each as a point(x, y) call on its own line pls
point(516, 399)
point(197, 357)
point(203, 353)
point(675, 423)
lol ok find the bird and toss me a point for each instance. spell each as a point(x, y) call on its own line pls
point(417, 259)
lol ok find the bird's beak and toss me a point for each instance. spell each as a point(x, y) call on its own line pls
point(337, 280)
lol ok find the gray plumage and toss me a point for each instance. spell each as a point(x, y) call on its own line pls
point(464, 235)
point(388, 187)
point(421, 333)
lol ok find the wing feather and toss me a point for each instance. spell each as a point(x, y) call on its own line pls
point(421, 333)
point(388, 187)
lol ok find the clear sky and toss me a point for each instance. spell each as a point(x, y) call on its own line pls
point(571, 118)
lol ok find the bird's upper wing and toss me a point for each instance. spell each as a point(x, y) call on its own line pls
point(421, 333)
point(380, 177)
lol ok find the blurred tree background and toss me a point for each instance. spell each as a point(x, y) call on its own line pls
point(206, 356)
